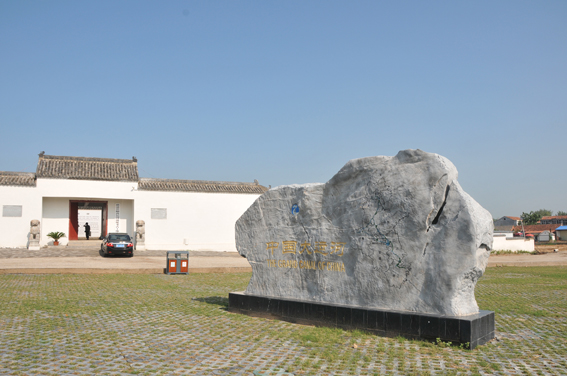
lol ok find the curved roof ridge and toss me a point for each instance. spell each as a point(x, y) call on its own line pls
point(87, 159)
point(22, 173)
point(199, 181)
point(155, 184)
point(25, 179)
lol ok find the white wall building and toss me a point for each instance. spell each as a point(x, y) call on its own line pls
point(178, 214)
point(502, 243)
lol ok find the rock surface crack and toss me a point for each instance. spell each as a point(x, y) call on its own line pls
point(436, 219)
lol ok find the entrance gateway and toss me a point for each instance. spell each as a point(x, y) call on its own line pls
point(93, 212)
point(66, 192)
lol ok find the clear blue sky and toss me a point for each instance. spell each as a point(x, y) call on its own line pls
point(288, 91)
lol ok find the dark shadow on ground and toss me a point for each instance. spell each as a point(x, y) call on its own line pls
point(215, 300)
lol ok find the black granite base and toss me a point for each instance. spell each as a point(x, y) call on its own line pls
point(471, 331)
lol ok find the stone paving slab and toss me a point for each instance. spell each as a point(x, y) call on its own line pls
point(178, 325)
point(68, 260)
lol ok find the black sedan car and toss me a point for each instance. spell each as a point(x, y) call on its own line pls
point(117, 243)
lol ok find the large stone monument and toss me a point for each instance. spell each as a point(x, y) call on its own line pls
point(389, 244)
point(33, 244)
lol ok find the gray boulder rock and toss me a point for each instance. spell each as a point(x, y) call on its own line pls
point(395, 233)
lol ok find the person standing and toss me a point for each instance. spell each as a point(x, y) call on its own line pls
point(87, 230)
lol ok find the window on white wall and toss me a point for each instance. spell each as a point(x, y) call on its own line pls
point(12, 211)
point(159, 213)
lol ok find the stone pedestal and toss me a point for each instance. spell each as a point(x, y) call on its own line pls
point(470, 330)
point(33, 244)
point(140, 235)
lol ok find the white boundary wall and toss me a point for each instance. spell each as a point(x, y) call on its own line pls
point(194, 221)
point(15, 231)
point(502, 243)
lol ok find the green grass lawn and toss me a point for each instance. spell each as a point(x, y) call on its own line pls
point(160, 324)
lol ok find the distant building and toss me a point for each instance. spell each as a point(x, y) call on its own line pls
point(507, 233)
point(67, 192)
point(561, 233)
point(554, 220)
point(545, 236)
point(507, 221)
point(536, 230)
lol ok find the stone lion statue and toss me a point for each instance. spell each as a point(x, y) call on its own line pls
point(34, 228)
point(140, 231)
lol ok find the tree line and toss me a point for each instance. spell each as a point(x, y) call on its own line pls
point(533, 217)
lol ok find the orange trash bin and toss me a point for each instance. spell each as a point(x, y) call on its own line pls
point(184, 266)
point(177, 262)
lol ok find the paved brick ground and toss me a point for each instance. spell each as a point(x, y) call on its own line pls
point(159, 324)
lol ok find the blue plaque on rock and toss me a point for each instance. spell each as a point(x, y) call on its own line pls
point(295, 209)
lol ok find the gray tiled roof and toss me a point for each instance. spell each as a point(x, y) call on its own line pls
point(59, 167)
point(56, 167)
point(503, 228)
point(148, 184)
point(25, 179)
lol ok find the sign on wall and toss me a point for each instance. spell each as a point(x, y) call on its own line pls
point(12, 211)
point(117, 217)
point(159, 213)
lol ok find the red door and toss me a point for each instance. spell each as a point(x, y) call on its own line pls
point(73, 220)
point(104, 224)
